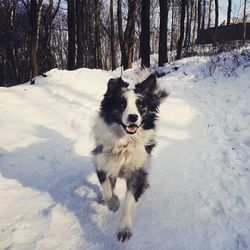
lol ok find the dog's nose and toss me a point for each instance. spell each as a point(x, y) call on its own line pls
point(132, 117)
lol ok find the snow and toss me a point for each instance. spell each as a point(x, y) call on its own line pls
point(199, 180)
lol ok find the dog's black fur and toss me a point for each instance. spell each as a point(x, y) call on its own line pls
point(114, 103)
point(147, 96)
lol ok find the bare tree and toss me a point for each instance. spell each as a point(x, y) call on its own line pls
point(175, 23)
point(163, 50)
point(59, 39)
point(35, 21)
point(121, 36)
point(172, 27)
point(203, 15)
point(71, 35)
point(89, 26)
point(80, 33)
point(216, 18)
point(129, 33)
point(38, 35)
point(188, 23)
point(46, 53)
point(209, 13)
point(112, 36)
point(97, 35)
point(244, 21)
point(190, 13)
point(194, 25)
point(8, 30)
point(126, 39)
point(182, 30)
point(145, 34)
point(199, 15)
point(229, 9)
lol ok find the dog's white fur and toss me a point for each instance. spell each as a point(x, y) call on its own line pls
point(123, 154)
point(131, 108)
point(119, 149)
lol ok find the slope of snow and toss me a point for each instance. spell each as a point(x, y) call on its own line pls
point(200, 183)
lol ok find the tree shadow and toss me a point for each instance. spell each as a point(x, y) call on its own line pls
point(51, 166)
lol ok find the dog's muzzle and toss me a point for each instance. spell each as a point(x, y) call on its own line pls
point(130, 129)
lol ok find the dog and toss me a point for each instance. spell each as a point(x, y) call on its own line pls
point(124, 134)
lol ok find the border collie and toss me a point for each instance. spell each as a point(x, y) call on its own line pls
point(124, 134)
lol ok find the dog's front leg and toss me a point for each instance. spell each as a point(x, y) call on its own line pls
point(125, 225)
point(136, 185)
point(109, 197)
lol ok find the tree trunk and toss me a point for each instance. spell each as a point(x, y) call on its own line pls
point(229, 9)
point(112, 36)
point(172, 29)
point(80, 35)
point(216, 18)
point(145, 34)
point(129, 35)
point(175, 24)
point(190, 23)
point(195, 23)
point(209, 14)
point(182, 30)
point(187, 25)
point(244, 22)
point(71, 35)
point(35, 20)
point(90, 57)
point(97, 35)
point(199, 16)
point(203, 15)
point(48, 17)
point(121, 37)
point(127, 39)
point(11, 56)
point(163, 49)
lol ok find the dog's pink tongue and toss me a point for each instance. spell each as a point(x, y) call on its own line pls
point(131, 128)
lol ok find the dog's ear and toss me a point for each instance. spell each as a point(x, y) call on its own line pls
point(115, 84)
point(150, 86)
point(147, 86)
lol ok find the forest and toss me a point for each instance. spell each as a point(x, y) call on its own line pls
point(38, 35)
point(80, 86)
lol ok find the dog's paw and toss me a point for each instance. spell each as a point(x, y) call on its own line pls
point(113, 204)
point(124, 234)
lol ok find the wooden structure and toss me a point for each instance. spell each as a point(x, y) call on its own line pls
point(223, 34)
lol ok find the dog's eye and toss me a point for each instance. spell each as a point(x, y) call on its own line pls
point(140, 104)
point(122, 105)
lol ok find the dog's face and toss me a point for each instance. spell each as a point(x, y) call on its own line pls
point(132, 108)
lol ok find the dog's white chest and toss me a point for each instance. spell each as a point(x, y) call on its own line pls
point(123, 157)
point(134, 155)
point(126, 153)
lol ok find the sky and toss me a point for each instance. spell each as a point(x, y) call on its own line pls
point(237, 9)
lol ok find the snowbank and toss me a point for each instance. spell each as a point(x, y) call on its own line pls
point(199, 194)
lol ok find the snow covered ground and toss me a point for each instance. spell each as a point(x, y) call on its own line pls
point(200, 177)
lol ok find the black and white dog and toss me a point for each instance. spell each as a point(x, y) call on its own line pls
point(124, 134)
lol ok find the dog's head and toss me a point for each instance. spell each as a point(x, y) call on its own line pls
point(132, 108)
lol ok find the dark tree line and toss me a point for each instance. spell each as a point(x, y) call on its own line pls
point(38, 35)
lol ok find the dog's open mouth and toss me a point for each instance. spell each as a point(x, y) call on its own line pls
point(130, 129)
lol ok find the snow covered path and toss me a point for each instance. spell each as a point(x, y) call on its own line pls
point(200, 184)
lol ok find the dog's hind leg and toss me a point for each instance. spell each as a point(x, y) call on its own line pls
point(109, 197)
point(136, 185)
